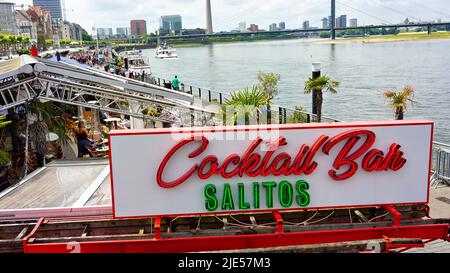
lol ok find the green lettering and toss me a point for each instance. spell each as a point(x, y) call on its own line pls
point(227, 201)
point(242, 204)
point(256, 195)
point(285, 194)
point(303, 199)
point(269, 186)
point(211, 199)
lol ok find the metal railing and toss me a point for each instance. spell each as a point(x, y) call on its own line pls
point(441, 164)
point(275, 114)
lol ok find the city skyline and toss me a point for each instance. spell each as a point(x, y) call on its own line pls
point(116, 13)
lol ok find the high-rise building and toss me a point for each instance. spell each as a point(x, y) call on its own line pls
point(325, 23)
point(123, 31)
point(171, 24)
point(8, 23)
point(54, 6)
point(353, 22)
point(138, 27)
point(273, 27)
point(305, 25)
point(209, 25)
point(341, 21)
point(104, 33)
point(253, 28)
point(242, 26)
point(282, 26)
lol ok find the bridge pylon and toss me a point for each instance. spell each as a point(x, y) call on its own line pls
point(333, 20)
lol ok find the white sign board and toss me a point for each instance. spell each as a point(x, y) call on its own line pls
point(174, 172)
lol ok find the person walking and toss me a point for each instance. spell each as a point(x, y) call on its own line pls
point(176, 83)
point(58, 56)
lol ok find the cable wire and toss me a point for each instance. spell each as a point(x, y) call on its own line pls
point(400, 12)
point(363, 12)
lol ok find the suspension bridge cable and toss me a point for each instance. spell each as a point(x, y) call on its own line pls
point(229, 20)
point(400, 12)
point(363, 12)
point(433, 10)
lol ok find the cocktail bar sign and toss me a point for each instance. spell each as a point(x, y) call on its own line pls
point(166, 172)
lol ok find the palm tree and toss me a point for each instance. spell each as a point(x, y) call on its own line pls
point(320, 84)
point(399, 100)
point(247, 103)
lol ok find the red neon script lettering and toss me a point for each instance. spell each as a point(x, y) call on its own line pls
point(356, 144)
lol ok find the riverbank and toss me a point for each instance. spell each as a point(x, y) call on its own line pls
point(403, 37)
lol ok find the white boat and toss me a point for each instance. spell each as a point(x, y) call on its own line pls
point(137, 63)
point(166, 52)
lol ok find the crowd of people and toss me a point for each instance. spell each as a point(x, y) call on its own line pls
point(86, 58)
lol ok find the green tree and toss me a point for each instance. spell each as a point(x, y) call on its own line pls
point(399, 100)
point(268, 83)
point(321, 84)
point(246, 103)
point(12, 39)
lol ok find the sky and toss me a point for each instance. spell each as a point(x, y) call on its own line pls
point(227, 14)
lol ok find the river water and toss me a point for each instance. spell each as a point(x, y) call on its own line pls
point(365, 70)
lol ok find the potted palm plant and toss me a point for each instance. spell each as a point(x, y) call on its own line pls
point(246, 104)
point(399, 101)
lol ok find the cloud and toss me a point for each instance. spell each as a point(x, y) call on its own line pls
point(228, 13)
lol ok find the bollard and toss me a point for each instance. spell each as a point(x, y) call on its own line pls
point(316, 73)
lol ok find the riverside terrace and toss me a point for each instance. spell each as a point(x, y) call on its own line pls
point(83, 188)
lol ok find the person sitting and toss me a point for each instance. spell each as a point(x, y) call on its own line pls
point(83, 141)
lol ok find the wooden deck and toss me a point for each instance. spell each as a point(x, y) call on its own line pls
point(439, 208)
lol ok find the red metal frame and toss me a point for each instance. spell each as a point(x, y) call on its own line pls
point(397, 215)
point(216, 243)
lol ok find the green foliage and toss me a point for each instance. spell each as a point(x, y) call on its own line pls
point(268, 83)
point(298, 116)
point(399, 100)
point(86, 37)
point(152, 112)
point(325, 35)
point(51, 114)
point(322, 83)
point(368, 31)
point(3, 122)
point(246, 104)
point(7, 39)
point(5, 159)
point(245, 97)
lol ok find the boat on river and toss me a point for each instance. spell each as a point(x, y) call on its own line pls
point(137, 63)
point(164, 51)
